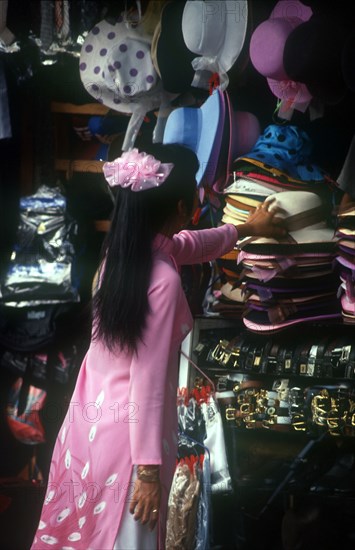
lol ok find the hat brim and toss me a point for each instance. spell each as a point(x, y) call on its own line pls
point(200, 129)
point(259, 323)
point(291, 8)
point(92, 74)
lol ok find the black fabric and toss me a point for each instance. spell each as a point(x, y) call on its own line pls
point(28, 329)
point(173, 56)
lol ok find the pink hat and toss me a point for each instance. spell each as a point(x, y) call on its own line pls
point(266, 52)
point(244, 132)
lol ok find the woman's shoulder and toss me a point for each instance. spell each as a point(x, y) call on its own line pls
point(164, 276)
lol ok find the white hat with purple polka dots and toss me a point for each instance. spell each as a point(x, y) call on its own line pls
point(117, 70)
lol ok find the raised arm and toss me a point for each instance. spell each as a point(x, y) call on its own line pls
point(204, 245)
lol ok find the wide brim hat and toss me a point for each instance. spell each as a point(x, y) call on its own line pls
point(216, 32)
point(170, 55)
point(241, 131)
point(244, 128)
point(201, 130)
point(257, 321)
point(266, 51)
point(116, 69)
point(250, 188)
point(287, 148)
point(304, 215)
point(312, 55)
point(268, 39)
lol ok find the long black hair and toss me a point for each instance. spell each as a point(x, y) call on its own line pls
point(120, 305)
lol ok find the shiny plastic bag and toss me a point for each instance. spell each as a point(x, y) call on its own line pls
point(41, 266)
point(221, 481)
point(182, 507)
point(203, 528)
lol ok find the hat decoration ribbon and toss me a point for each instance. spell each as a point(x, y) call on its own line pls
point(205, 67)
point(290, 93)
point(136, 170)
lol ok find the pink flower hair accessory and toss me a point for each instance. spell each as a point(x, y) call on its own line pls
point(136, 170)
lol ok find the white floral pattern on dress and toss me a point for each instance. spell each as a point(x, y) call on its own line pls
point(100, 507)
point(82, 499)
point(67, 459)
point(100, 398)
point(74, 536)
point(85, 470)
point(63, 434)
point(42, 525)
point(92, 433)
point(47, 539)
point(63, 514)
point(111, 480)
point(81, 521)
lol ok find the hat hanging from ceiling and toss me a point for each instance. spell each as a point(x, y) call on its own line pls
point(201, 130)
point(215, 31)
point(245, 130)
point(286, 148)
point(266, 53)
point(313, 55)
point(170, 56)
point(117, 70)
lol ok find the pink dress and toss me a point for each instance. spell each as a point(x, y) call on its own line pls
point(123, 411)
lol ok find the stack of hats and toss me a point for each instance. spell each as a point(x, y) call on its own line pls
point(291, 280)
point(241, 198)
point(346, 261)
point(283, 282)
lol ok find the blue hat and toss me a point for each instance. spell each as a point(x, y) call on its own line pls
point(201, 130)
point(288, 149)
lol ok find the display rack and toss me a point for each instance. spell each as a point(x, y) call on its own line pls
point(64, 162)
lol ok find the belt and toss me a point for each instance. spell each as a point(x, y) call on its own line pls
point(265, 356)
point(318, 366)
point(228, 353)
point(253, 356)
point(300, 363)
point(284, 360)
point(332, 355)
point(272, 358)
point(259, 408)
point(346, 363)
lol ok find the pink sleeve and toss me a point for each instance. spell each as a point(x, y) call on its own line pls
point(204, 245)
point(148, 372)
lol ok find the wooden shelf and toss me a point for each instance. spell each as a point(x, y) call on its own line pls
point(64, 148)
point(92, 166)
point(85, 109)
